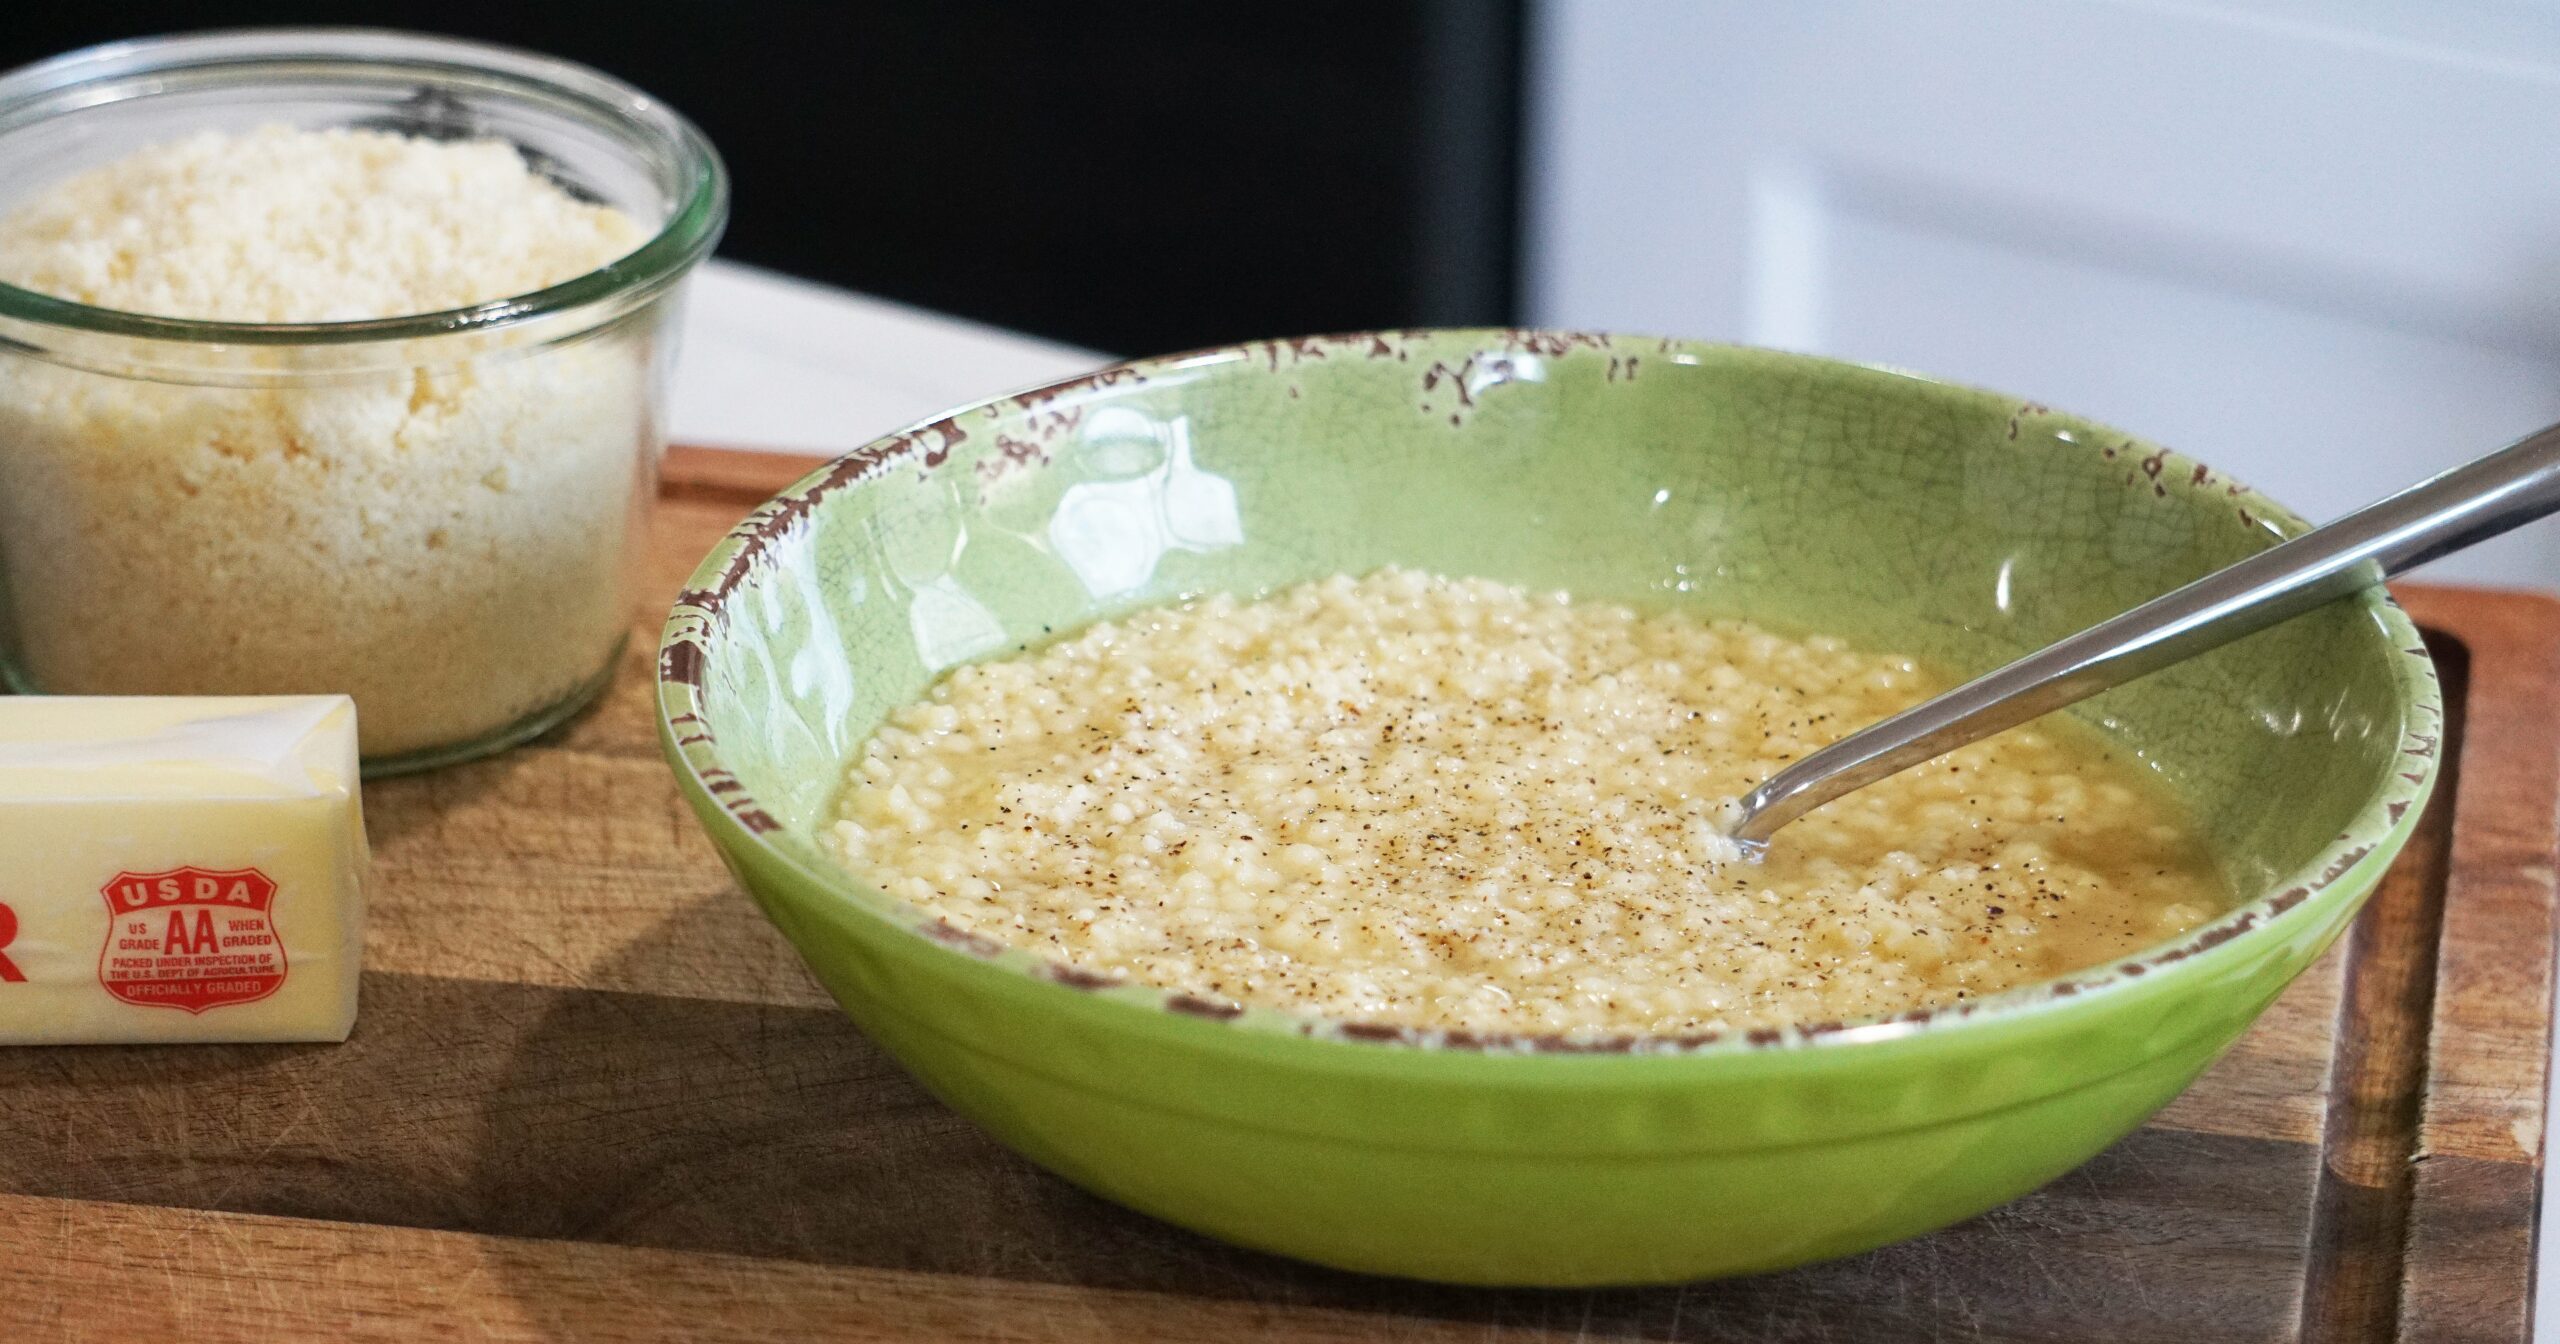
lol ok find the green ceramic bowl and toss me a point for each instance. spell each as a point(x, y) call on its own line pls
point(1955, 524)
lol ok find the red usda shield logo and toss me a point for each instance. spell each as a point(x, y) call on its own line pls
point(191, 938)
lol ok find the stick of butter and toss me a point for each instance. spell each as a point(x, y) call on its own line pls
point(176, 869)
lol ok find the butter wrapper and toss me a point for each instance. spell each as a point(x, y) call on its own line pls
point(179, 869)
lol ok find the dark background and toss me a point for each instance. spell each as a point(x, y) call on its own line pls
point(1131, 177)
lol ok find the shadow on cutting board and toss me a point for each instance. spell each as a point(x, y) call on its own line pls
point(782, 1132)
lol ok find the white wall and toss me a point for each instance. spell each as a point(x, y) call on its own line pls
point(2317, 245)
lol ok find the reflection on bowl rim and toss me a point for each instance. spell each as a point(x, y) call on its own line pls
point(2393, 810)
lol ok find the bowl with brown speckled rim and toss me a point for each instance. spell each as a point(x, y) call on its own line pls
point(1962, 526)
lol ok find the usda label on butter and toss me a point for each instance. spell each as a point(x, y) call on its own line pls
point(179, 869)
point(191, 939)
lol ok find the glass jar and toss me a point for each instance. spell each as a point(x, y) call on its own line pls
point(438, 514)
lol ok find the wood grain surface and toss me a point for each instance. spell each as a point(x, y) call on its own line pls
point(592, 1095)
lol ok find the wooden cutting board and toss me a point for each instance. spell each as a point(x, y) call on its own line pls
point(593, 1095)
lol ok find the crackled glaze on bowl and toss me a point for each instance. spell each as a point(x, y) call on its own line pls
point(1958, 525)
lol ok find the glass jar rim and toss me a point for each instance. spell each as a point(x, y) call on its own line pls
point(67, 83)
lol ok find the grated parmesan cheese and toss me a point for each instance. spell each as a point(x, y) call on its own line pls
point(281, 225)
point(435, 527)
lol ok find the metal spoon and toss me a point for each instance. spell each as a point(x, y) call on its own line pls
point(2464, 506)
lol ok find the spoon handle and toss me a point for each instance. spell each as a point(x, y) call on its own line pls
point(2464, 506)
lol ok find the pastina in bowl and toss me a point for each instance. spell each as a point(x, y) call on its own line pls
point(1958, 526)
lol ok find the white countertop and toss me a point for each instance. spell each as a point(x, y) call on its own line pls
point(778, 363)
